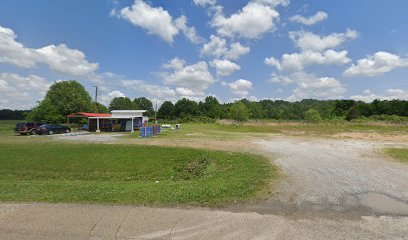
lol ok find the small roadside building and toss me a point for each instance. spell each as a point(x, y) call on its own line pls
point(116, 121)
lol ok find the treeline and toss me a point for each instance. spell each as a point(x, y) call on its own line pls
point(308, 109)
point(68, 97)
point(7, 114)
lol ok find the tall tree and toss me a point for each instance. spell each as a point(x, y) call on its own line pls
point(62, 98)
point(239, 111)
point(143, 103)
point(186, 108)
point(122, 103)
point(166, 111)
point(211, 107)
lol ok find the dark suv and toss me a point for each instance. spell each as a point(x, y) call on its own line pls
point(27, 128)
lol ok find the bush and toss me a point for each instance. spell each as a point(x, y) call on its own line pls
point(313, 116)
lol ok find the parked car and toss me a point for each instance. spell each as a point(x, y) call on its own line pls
point(51, 129)
point(27, 127)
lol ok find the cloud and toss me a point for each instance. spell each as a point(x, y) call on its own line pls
point(218, 47)
point(189, 32)
point(107, 98)
point(299, 61)
point(224, 67)
point(273, 3)
point(314, 50)
point(241, 87)
point(155, 20)
point(158, 21)
point(377, 64)
point(21, 92)
point(152, 90)
point(64, 60)
point(310, 41)
point(311, 86)
point(390, 94)
point(59, 58)
point(195, 76)
point(236, 51)
point(204, 3)
point(318, 17)
point(251, 22)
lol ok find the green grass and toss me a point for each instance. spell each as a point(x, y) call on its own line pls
point(127, 174)
point(258, 128)
point(401, 154)
point(7, 126)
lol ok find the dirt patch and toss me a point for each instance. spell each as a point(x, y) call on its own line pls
point(372, 136)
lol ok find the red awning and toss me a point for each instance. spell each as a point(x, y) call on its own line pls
point(85, 114)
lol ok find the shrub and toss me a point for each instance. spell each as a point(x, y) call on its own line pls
point(313, 116)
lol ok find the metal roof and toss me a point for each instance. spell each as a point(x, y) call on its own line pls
point(85, 114)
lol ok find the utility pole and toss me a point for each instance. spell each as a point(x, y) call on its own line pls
point(155, 113)
point(96, 99)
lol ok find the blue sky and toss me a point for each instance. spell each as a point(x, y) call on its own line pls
point(167, 50)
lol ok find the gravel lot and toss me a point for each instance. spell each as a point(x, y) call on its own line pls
point(340, 176)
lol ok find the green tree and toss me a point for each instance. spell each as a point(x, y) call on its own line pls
point(239, 111)
point(143, 103)
point(100, 108)
point(211, 107)
point(122, 103)
point(353, 113)
point(166, 111)
point(62, 98)
point(185, 108)
point(45, 112)
point(313, 116)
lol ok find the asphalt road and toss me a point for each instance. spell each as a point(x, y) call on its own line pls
point(58, 221)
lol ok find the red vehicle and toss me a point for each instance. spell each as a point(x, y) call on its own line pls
point(27, 128)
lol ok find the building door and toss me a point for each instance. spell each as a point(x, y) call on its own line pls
point(129, 125)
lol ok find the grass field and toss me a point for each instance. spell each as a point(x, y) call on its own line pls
point(401, 154)
point(228, 130)
point(40, 170)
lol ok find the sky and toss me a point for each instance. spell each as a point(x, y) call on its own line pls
point(230, 49)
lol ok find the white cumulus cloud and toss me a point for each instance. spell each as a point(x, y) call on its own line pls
point(224, 67)
point(377, 64)
point(59, 58)
point(311, 41)
point(241, 87)
point(158, 21)
point(218, 47)
point(155, 20)
point(21, 92)
point(204, 3)
point(318, 17)
point(390, 94)
point(311, 86)
point(251, 22)
point(195, 76)
point(299, 61)
point(189, 32)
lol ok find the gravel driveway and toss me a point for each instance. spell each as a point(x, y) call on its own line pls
point(335, 176)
